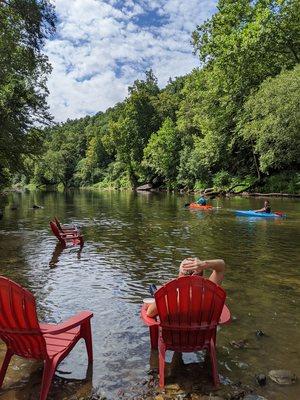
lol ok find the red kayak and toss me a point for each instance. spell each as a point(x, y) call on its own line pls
point(196, 206)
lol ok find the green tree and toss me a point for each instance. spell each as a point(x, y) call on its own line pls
point(65, 145)
point(24, 26)
point(129, 133)
point(168, 100)
point(91, 169)
point(271, 120)
point(162, 152)
point(244, 43)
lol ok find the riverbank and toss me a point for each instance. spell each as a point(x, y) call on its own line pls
point(284, 184)
point(218, 193)
point(210, 192)
point(23, 380)
point(188, 381)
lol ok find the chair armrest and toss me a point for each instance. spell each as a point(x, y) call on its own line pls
point(73, 234)
point(225, 317)
point(46, 327)
point(149, 321)
point(72, 322)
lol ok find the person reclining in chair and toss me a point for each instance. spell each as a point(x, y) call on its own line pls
point(194, 266)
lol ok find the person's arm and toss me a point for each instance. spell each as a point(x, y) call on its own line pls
point(218, 267)
point(261, 210)
point(196, 266)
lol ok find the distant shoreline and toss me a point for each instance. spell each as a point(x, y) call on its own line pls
point(6, 191)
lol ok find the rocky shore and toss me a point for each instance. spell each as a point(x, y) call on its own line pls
point(212, 192)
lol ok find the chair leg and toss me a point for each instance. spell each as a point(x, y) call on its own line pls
point(214, 364)
point(4, 366)
point(153, 330)
point(87, 336)
point(162, 355)
point(49, 369)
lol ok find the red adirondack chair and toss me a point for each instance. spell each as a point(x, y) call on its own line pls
point(73, 237)
point(189, 310)
point(25, 337)
point(65, 228)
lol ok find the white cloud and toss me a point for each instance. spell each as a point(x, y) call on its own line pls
point(101, 47)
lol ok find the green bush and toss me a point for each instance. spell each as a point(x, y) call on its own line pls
point(285, 182)
point(222, 180)
point(200, 185)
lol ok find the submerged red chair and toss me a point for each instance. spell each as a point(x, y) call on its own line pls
point(189, 310)
point(65, 228)
point(73, 237)
point(25, 337)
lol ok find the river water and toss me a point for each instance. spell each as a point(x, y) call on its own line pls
point(132, 240)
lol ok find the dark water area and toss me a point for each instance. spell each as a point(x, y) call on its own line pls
point(132, 240)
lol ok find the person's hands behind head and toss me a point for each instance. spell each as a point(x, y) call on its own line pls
point(182, 271)
point(191, 266)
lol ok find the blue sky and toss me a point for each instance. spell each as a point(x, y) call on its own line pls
point(101, 47)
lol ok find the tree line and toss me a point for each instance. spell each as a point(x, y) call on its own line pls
point(232, 122)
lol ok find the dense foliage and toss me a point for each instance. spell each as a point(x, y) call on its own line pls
point(232, 122)
point(24, 25)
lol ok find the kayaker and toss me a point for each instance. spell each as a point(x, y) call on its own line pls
point(194, 266)
point(266, 208)
point(202, 201)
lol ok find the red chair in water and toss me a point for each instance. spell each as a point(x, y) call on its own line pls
point(25, 337)
point(73, 237)
point(189, 310)
point(65, 228)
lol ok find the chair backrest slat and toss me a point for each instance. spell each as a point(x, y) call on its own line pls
point(189, 309)
point(19, 327)
point(185, 309)
point(58, 224)
point(56, 232)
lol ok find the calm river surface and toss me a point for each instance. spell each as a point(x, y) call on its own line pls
point(132, 240)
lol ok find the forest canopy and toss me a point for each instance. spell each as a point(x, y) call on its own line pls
point(232, 122)
point(24, 26)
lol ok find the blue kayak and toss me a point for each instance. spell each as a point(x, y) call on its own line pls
point(251, 213)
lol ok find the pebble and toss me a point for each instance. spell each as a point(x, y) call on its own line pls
point(242, 365)
point(237, 394)
point(254, 397)
point(260, 333)
point(261, 379)
point(239, 344)
point(210, 397)
point(282, 376)
point(35, 206)
point(174, 387)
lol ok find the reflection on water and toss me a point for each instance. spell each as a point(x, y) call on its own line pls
point(132, 240)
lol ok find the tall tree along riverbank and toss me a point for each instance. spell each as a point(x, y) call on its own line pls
point(24, 26)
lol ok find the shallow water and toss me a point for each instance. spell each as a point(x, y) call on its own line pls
point(132, 240)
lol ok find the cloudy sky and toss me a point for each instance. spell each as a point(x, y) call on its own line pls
point(102, 46)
